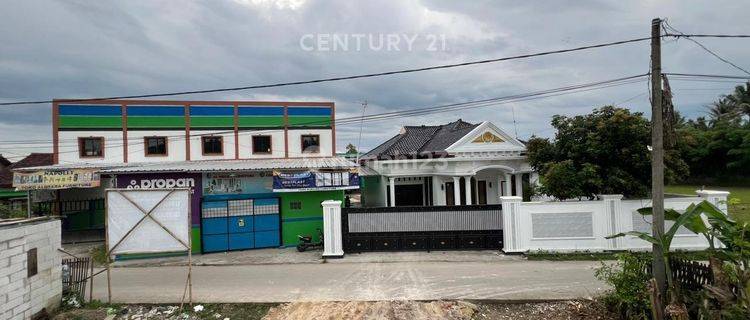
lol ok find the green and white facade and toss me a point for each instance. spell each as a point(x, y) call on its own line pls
point(212, 147)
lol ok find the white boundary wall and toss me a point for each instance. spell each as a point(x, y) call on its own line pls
point(22, 296)
point(583, 225)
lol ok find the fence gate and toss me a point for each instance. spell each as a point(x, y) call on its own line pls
point(238, 224)
point(422, 228)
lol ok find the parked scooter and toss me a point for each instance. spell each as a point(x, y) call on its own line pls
point(305, 242)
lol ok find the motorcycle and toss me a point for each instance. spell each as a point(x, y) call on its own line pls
point(305, 242)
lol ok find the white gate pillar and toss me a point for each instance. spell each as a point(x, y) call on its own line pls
point(511, 224)
point(615, 225)
point(717, 198)
point(333, 246)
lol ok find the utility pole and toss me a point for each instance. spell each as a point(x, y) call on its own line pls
point(361, 124)
point(657, 157)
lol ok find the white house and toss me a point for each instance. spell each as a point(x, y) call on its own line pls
point(431, 165)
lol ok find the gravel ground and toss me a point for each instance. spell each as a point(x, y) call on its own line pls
point(388, 310)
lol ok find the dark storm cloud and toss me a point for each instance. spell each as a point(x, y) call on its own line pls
point(68, 49)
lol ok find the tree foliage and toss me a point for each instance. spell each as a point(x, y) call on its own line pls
point(719, 147)
point(604, 152)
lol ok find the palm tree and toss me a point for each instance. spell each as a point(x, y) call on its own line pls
point(740, 98)
point(723, 110)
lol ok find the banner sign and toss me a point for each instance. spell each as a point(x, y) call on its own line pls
point(315, 180)
point(56, 179)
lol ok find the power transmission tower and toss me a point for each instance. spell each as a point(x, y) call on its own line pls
point(657, 157)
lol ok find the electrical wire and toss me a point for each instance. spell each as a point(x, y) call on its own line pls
point(666, 25)
point(369, 75)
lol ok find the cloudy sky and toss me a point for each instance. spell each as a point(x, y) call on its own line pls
point(79, 49)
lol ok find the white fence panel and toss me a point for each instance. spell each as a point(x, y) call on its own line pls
point(170, 207)
point(584, 225)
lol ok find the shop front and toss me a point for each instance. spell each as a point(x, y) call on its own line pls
point(249, 204)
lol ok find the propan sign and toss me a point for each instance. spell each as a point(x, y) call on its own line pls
point(148, 220)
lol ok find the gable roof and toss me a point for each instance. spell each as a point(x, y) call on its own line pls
point(6, 178)
point(4, 162)
point(34, 160)
point(421, 141)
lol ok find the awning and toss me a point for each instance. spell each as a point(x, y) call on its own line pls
point(235, 165)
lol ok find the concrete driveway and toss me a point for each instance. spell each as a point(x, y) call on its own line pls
point(497, 280)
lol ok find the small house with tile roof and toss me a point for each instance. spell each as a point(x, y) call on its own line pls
point(458, 163)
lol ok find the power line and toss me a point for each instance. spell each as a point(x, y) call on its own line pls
point(419, 111)
point(668, 26)
point(369, 75)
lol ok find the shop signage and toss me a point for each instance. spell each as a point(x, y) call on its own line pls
point(315, 180)
point(56, 179)
point(167, 181)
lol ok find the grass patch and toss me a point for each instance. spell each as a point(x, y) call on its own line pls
point(739, 198)
point(607, 255)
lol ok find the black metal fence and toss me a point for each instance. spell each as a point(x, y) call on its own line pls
point(75, 275)
point(422, 228)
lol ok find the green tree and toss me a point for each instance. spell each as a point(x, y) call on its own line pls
point(604, 152)
point(351, 149)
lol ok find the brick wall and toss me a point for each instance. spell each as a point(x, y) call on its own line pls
point(22, 296)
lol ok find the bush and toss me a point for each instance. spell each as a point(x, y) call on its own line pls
point(629, 296)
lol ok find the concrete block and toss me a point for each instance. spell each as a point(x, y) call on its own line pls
point(12, 233)
point(19, 310)
point(13, 268)
point(4, 280)
point(11, 252)
point(19, 258)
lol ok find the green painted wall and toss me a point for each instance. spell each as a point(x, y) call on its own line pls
point(156, 122)
point(260, 121)
point(304, 221)
point(195, 233)
point(211, 121)
point(90, 122)
point(310, 121)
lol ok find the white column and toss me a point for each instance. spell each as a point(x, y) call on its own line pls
point(468, 189)
point(392, 186)
point(333, 246)
point(457, 191)
point(508, 190)
point(512, 228)
point(614, 225)
point(717, 198)
point(519, 185)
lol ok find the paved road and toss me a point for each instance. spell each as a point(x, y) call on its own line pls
point(503, 280)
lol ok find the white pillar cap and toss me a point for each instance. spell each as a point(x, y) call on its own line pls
point(331, 203)
point(715, 193)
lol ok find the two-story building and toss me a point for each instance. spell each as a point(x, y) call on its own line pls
point(258, 170)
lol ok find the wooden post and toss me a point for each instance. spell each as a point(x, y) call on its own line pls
point(190, 250)
point(657, 158)
point(91, 281)
point(106, 247)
